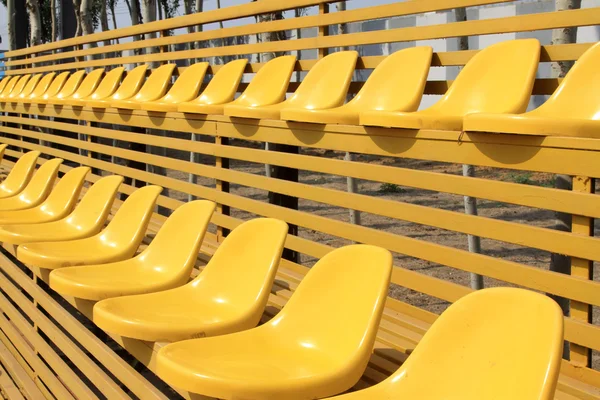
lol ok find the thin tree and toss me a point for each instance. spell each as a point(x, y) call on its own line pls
point(54, 29)
point(35, 23)
point(12, 17)
point(104, 21)
point(77, 9)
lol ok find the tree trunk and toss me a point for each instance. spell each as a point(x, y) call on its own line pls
point(35, 24)
point(85, 15)
point(21, 24)
point(104, 21)
point(12, 18)
point(187, 5)
point(53, 20)
point(77, 9)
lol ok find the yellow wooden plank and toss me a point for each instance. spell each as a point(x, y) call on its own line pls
point(9, 388)
point(18, 374)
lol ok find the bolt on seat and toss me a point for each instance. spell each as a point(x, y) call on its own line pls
point(53, 89)
point(185, 88)
point(572, 110)
point(165, 264)
point(325, 86)
point(26, 91)
point(468, 354)
point(16, 88)
point(131, 84)
point(86, 88)
point(59, 203)
point(498, 79)
point(19, 175)
point(69, 87)
point(118, 241)
point(228, 296)
point(106, 87)
point(36, 190)
point(395, 85)
point(220, 90)
point(318, 345)
point(155, 87)
point(86, 220)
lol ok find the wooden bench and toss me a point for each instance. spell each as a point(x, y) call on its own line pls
point(52, 350)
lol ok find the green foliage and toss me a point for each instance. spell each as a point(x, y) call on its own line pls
point(522, 178)
point(391, 188)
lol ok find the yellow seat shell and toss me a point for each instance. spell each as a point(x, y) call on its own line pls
point(130, 86)
point(155, 87)
point(19, 175)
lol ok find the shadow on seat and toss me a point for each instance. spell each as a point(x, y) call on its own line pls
point(229, 295)
point(53, 89)
point(59, 203)
point(19, 175)
point(468, 354)
point(36, 190)
point(86, 88)
point(118, 241)
point(155, 87)
point(317, 346)
point(127, 89)
point(86, 220)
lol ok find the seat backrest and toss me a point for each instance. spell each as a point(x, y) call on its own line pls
point(223, 85)
point(157, 84)
point(4, 82)
point(89, 84)
point(19, 86)
point(397, 83)
point(42, 86)
point(41, 182)
point(65, 194)
point(577, 94)
point(28, 89)
point(345, 317)
point(10, 85)
point(94, 208)
point(56, 86)
point(21, 172)
point(176, 245)
point(501, 343)
point(188, 84)
point(131, 84)
point(270, 83)
point(326, 84)
point(498, 79)
point(70, 85)
point(108, 85)
point(251, 253)
point(129, 224)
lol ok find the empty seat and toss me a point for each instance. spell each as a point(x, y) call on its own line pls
point(220, 90)
point(166, 263)
point(500, 343)
point(27, 89)
point(4, 82)
point(59, 203)
point(118, 241)
point(86, 220)
point(498, 79)
point(325, 86)
point(36, 190)
point(572, 110)
point(8, 87)
point(318, 345)
point(53, 89)
point(395, 85)
point(86, 88)
point(107, 87)
point(19, 175)
point(127, 89)
point(15, 87)
point(40, 88)
point(228, 296)
point(155, 87)
point(68, 88)
point(185, 88)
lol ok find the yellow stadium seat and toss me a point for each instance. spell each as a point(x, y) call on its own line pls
point(59, 203)
point(17, 88)
point(118, 241)
point(85, 89)
point(53, 89)
point(573, 109)
point(39, 89)
point(36, 190)
point(86, 220)
point(2, 150)
point(213, 303)
point(166, 263)
point(325, 86)
point(106, 88)
point(8, 88)
point(498, 79)
point(27, 90)
point(155, 87)
point(127, 89)
point(499, 343)
point(19, 175)
point(318, 345)
point(69, 87)
point(220, 90)
point(4, 82)
point(395, 85)
point(184, 89)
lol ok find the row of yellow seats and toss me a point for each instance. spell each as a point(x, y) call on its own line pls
point(498, 343)
point(489, 94)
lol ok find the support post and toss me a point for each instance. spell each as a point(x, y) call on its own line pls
point(222, 186)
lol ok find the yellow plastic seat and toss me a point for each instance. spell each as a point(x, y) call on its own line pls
point(26, 91)
point(36, 190)
point(572, 110)
point(499, 343)
point(106, 88)
point(118, 241)
point(17, 88)
point(395, 85)
point(155, 87)
point(59, 203)
point(228, 296)
point(166, 263)
point(10, 85)
point(185, 88)
point(3, 147)
point(498, 79)
point(39, 88)
point(325, 86)
point(85, 89)
point(131, 84)
point(19, 175)
point(86, 220)
point(53, 89)
point(220, 90)
point(4, 82)
point(69, 87)
point(317, 346)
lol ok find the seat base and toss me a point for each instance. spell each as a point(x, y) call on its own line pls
point(265, 112)
point(197, 108)
point(412, 120)
point(339, 115)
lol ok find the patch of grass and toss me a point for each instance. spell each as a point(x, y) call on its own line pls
point(391, 188)
point(522, 178)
